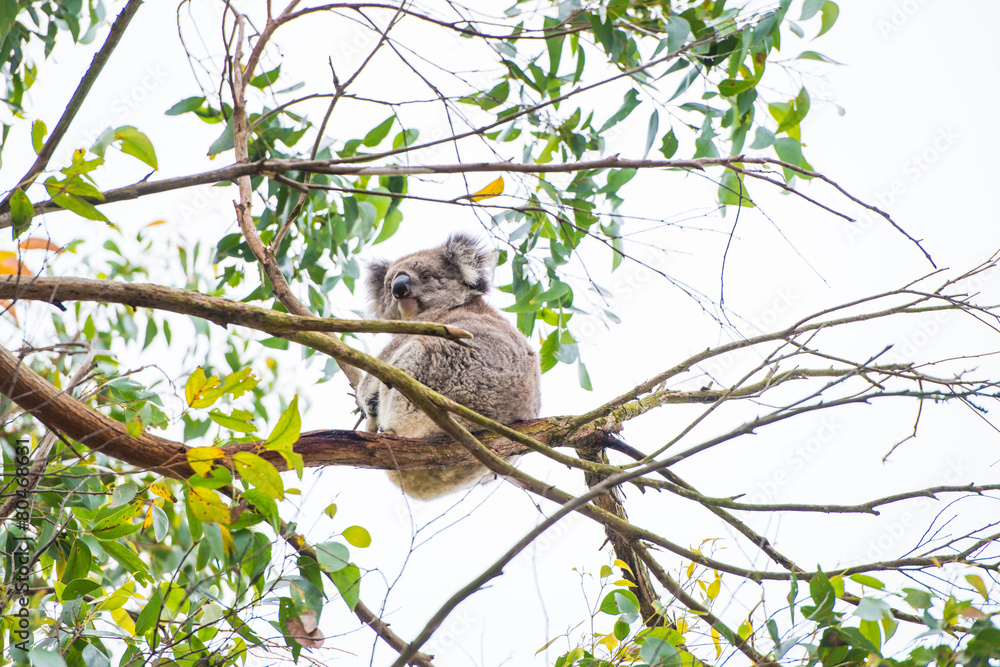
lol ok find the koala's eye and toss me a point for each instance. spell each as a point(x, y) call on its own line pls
point(426, 277)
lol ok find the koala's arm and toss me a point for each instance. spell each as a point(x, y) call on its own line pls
point(496, 375)
point(368, 390)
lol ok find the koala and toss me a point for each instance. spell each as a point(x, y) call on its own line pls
point(496, 373)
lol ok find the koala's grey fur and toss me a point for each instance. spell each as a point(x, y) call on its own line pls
point(496, 374)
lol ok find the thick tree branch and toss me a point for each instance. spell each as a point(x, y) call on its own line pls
point(214, 309)
point(56, 410)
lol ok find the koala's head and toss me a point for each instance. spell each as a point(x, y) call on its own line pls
point(444, 277)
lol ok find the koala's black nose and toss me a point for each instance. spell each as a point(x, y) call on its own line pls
point(401, 286)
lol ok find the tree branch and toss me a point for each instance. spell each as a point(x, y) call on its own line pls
point(75, 102)
point(220, 311)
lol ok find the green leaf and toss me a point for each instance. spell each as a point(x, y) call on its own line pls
point(788, 150)
point(733, 192)
point(620, 601)
point(389, 226)
point(38, 133)
point(830, 13)
point(791, 114)
point(150, 614)
point(871, 609)
point(286, 431)
point(630, 102)
point(264, 80)
point(332, 556)
point(651, 129)
point(357, 536)
point(656, 651)
point(128, 559)
point(405, 138)
point(813, 55)
point(348, 582)
point(82, 208)
point(809, 9)
point(78, 588)
point(43, 657)
point(669, 146)
point(917, 599)
point(225, 140)
point(260, 473)
point(762, 139)
point(583, 376)
point(21, 212)
point(136, 144)
point(677, 32)
point(239, 420)
point(284, 435)
point(8, 15)
point(733, 87)
point(869, 581)
point(185, 106)
point(375, 137)
point(115, 532)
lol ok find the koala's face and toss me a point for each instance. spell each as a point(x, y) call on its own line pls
point(444, 277)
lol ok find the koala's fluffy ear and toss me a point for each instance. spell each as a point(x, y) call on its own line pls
point(375, 285)
point(474, 262)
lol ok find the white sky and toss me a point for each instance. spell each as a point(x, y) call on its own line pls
point(907, 97)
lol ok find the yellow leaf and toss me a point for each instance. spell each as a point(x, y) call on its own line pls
point(623, 565)
point(148, 521)
point(207, 507)
point(690, 570)
point(609, 641)
point(261, 474)
point(10, 265)
point(682, 626)
point(715, 640)
point(936, 562)
point(357, 536)
point(202, 459)
point(163, 491)
point(118, 598)
point(977, 583)
point(201, 391)
point(227, 540)
point(123, 620)
point(154, 223)
point(492, 190)
point(713, 589)
point(624, 582)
